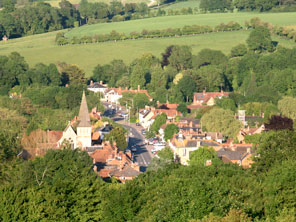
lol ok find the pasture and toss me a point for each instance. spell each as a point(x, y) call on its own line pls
point(42, 48)
point(211, 19)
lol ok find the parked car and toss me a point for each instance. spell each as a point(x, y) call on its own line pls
point(137, 124)
point(134, 149)
point(143, 131)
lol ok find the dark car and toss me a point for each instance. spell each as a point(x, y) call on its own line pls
point(137, 124)
point(143, 131)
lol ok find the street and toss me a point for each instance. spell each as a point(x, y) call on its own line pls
point(142, 156)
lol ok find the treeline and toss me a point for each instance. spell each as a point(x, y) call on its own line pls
point(114, 36)
point(288, 31)
point(62, 186)
point(36, 18)
point(247, 5)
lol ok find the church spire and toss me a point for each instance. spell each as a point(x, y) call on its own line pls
point(84, 120)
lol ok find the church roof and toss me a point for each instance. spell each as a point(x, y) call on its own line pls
point(84, 120)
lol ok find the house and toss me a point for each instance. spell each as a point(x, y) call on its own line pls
point(205, 99)
point(110, 162)
point(240, 154)
point(184, 145)
point(214, 136)
point(146, 118)
point(114, 94)
point(249, 131)
point(97, 87)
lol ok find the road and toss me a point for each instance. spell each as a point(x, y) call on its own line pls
point(142, 156)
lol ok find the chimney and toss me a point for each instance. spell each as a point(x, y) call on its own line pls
point(139, 88)
point(91, 83)
point(101, 82)
point(204, 92)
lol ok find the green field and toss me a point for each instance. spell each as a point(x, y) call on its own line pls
point(181, 20)
point(179, 5)
point(41, 48)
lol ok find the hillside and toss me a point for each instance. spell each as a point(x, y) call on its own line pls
point(42, 48)
point(181, 20)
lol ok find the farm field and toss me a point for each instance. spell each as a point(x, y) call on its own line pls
point(42, 48)
point(180, 21)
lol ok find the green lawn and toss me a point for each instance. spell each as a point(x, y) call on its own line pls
point(181, 20)
point(41, 48)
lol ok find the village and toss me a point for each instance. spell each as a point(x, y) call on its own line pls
point(111, 161)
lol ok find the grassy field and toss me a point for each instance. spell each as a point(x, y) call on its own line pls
point(179, 5)
point(181, 20)
point(41, 48)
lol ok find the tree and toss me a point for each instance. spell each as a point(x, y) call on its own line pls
point(239, 50)
point(180, 57)
point(164, 158)
point(287, 107)
point(140, 100)
point(200, 156)
point(260, 40)
point(72, 74)
point(158, 122)
point(182, 108)
point(279, 123)
point(187, 86)
point(169, 131)
point(274, 148)
point(117, 135)
point(223, 121)
point(209, 57)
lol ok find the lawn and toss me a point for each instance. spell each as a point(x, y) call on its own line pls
point(41, 48)
point(181, 20)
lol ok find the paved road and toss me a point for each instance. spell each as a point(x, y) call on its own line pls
point(142, 156)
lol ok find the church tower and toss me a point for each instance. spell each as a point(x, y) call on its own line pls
point(84, 125)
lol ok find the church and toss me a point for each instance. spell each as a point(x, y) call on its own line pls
point(81, 137)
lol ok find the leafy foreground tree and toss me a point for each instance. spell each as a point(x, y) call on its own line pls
point(61, 186)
